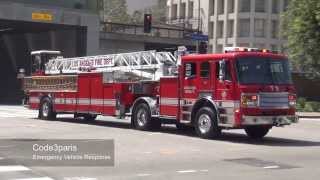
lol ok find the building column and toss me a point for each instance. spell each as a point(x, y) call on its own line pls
point(252, 17)
point(236, 23)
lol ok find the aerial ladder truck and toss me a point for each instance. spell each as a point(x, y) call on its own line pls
point(208, 93)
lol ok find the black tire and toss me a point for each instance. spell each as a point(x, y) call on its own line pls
point(257, 132)
point(90, 117)
point(183, 127)
point(46, 110)
point(142, 118)
point(206, 124)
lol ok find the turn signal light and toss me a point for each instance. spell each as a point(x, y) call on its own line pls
point(292, 100)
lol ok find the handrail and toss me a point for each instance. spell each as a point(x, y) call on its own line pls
point(156, 31)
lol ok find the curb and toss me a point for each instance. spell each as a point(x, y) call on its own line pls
point(309, 117)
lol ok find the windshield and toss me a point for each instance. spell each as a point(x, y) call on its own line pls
point(260, 70)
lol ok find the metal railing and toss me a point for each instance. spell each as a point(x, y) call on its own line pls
point(163, 32)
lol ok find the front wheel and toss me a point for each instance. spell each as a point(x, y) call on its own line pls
point(257, 132)
point(46, 110)
point(206, 124)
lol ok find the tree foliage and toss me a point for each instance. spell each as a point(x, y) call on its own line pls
point(301, 26)
point(115, 11)
point(158, 12)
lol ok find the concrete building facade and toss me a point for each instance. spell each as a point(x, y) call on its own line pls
point(249, 23)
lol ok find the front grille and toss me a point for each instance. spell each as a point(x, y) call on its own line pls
point(274, 100)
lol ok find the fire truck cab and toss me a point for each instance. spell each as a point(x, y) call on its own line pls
point(243, 88)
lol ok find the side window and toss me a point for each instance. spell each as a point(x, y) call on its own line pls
point(205, 70)
point(190, 69)
point(228, 71)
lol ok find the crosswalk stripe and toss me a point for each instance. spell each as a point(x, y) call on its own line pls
point(13, 168)
point(40, 178)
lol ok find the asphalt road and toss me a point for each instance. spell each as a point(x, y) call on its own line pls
point(286, 153)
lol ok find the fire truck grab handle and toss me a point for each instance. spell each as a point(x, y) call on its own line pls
point(222, 70)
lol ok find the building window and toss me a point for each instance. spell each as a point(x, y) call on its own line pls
point(190, 9)
point(243, 45)
point(260, 5)
point(230, 6)
point(244, 5)
point(182, 11)
point(259, 46)
point(274, 47)
point(219, 48)
point(210, 48)
point(274, 29)
point(211, 28)
point(275, 6)
point(205, 70)
point(244, 28)
point(220, 6)
point(230, 28)
point(285, 4)
point(211, 7)
point(174, 11)
point(259, 27)
point(220, 29)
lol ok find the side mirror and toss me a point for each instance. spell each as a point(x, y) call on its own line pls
point(222, 70)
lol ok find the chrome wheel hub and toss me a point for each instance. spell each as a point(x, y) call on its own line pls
point(204, 123)
point(45, 109)
point(142, 117)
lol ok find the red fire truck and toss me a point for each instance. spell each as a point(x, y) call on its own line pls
point(243, 88)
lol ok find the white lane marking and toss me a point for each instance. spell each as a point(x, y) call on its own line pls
point(311, 119)
point(187, 171)
point(143, 175)
point(13, 168)
point(204, 170)
point(1, 158)
point(40, 178)
point(147, 152)
point(271, 167)
point(79, 178)
point(155, 133)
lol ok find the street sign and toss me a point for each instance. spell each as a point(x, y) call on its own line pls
point(199, 37)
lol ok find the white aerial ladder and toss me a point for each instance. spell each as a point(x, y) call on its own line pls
point(149, 65)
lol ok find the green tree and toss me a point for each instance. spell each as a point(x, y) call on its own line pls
point(301, 26)
point(137, 17)
point(158, 12)
point(115, 11)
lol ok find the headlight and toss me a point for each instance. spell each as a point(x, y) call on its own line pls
point(249, 100)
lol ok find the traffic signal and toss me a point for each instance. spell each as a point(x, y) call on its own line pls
point(147, 23)
point(203, 47)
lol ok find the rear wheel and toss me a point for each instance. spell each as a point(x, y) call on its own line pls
point(46, 110)
point(257, 132)
point(142, 118)
point(206, 124)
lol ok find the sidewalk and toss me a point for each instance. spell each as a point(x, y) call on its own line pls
point(308, 114)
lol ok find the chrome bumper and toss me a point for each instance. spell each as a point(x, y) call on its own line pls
point(269, 120)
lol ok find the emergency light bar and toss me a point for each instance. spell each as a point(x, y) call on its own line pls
point(247, 49)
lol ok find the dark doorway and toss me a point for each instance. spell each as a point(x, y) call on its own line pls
point(19, 38)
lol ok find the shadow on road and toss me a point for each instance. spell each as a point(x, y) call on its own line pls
point(227, 136)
